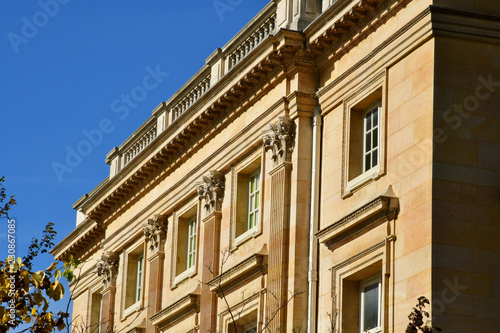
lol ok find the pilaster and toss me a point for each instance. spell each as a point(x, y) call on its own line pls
point(279, 140)
point(211, 190)
point(155, 232)
point(107, 268)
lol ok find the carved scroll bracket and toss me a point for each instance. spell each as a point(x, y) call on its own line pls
point(212, 190)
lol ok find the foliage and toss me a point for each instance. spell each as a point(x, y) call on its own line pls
point(4, 211)
point(26, 295)
point(416, 318)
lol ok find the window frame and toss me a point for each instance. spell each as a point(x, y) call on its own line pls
point(130, 258)
point(179, 271)
point(377, 279)
point(251, 165)
point(355, 107)
point(370, 109)
point(192, 236)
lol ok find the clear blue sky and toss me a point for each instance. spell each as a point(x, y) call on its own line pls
point(63, 65)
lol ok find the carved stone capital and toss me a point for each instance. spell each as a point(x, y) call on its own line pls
point(107, 268)
point(155, 231)
point(212, 190)
point(280, 139)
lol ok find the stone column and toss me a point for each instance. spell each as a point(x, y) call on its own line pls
point(211, 190)
point(279, 140)
point(155, 231)
point(107, 268)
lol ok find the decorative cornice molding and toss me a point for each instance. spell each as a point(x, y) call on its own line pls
point(212, 190)
point(178, 309)
point(280, 140)
point(107, 268)
point(155, 232)
point(383, 207)
point(246, 269)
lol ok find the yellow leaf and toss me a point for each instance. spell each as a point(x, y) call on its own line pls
point(33, 311)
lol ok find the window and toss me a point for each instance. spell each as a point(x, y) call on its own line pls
point(191, 246)
point(185, 235)
point(370, 304)
point(245, 324)
point(363, 138)
point(134, 280)
point(371, 136)
point(247, 189)
point(253, 200)
point(139, 278)
point(95, 312)
point(361, 297)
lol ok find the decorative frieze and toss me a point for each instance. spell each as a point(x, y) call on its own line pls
point(155, 231)
point(107, 268)
point(279, 139)
point(212, 190)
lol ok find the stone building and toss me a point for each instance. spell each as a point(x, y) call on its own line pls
point(334, 161)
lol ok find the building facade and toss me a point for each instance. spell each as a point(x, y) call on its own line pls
point(333, 162)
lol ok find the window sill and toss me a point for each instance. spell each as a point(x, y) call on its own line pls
point(374, 330)
point(250, 233)
point(188, 273)
point(366, 177)
point(131, 309)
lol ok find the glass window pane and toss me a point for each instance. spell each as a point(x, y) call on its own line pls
point(375, 117)
point(368, 121)
point(256, 200)
point(375, 157)
point(367, 162)
point(368, 142)
point(370, 306)
point(375, 137)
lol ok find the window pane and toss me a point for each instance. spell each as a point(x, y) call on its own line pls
point(368, 121)
point(256, 200)
point(375, 137)
point(375, 117)
point(370, 306)
point(375, 157)
point(368, 162)
point(250, 221)
point(368, 142)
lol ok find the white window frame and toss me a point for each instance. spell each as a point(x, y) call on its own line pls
point(139, 278)
point(363, 284)
point(369, 110)
point(252, 200)
point(191, 243)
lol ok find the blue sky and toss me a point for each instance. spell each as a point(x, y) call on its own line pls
point(63, 64)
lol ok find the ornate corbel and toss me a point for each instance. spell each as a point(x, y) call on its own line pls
point(212, 190)
point(279, 139)
point(107, 268)
point(155, 231)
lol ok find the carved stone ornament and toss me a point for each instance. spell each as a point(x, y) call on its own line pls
point(107, 268)
point(212, 190)
point(279, 139)
point(155, 231)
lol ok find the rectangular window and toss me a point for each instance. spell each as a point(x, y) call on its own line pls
point(191, 246)
point(371, 136)
point(95, 312)
point(134, 280)
point(370, 304)
point(139, 278)
point(253, 200)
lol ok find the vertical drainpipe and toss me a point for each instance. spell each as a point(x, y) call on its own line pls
point(313, 227)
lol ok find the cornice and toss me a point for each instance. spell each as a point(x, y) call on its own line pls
point(384, 207)
point(178, 309)
point(247, 269)
point(285, 44)
point(86, 233)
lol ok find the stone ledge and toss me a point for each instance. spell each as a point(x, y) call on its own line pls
point(384, 207)
point(178, 309)
point(243, 271)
